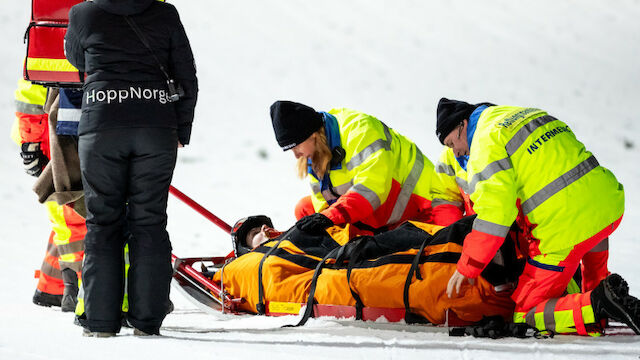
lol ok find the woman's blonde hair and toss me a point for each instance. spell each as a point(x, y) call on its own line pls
point(320, 158)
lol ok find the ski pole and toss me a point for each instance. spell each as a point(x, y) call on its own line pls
point(197, 207)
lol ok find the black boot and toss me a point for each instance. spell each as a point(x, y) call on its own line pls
point(70, 294)
point(46, 299)
point(611, 299)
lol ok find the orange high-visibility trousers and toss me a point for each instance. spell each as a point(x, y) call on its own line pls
point(539, 296)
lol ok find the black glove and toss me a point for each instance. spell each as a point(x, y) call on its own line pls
point(493, 327)
point(314, 224)
point(33, 158)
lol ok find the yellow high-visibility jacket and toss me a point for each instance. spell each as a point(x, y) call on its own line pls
point(31, 123)
point(450, 193)
point(524, 161)
point(383, 180)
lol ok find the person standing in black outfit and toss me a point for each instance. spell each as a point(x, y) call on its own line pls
point(131, 126)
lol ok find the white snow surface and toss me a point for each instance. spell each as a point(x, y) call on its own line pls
point(393, 59)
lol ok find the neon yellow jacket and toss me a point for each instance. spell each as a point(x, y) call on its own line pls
point(524, 161)
point(384, 179)
point(450, 190)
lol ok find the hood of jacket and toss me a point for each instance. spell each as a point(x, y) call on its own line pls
point(123, 7)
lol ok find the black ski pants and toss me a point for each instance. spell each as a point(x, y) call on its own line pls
point(126, 175)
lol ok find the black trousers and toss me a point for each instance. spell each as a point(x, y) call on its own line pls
point(126, 175)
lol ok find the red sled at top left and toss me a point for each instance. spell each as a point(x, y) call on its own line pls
point(45, 63)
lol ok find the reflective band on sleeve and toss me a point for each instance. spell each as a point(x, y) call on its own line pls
point(368, 194)
point(521, 136)
point(69, 115)
point(31, 109)
point(360, 157)
point(342, 189)
point(328, 195)
point(438, 202)
point(490, 228)
point(558, 184)
point(442, 168)
point(407, 188)
point(463, 184)
point(489, 171)
point(549, 314)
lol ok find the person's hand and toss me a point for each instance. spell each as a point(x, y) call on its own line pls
point(33, 158)
point(314, 224)
point(180, 145)
point(455, 282)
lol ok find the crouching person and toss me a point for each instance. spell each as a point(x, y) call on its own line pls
point(402, 269)
point(524, 164)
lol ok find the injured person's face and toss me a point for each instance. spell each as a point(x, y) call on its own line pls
point(257, 236)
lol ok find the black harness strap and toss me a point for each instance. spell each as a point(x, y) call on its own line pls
point(409, 316)
point(355, 257)
point(260, 306)
point(308, 311)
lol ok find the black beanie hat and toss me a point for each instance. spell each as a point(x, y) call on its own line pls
point(293, 123)
point(450, 114)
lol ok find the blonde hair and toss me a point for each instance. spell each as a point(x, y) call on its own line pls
point(320, 158)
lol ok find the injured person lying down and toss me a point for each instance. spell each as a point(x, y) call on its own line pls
point(407, 268)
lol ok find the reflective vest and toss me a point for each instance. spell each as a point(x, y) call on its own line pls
point(383, 180)
point(31, 123)
point(528, 163)
point(450, 190)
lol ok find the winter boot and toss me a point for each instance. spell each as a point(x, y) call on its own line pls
point(611, 299)
point(70, 294)
point(99, 334)
point(45, 299)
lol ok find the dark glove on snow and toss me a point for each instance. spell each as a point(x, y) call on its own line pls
point(314, 224)
point(33, 159)
point(493, 327)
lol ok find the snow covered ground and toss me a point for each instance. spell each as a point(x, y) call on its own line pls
point(576, 59)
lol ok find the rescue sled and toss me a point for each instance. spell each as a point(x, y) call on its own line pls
point(194, 278)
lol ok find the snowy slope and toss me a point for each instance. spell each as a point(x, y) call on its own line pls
point(576, 59)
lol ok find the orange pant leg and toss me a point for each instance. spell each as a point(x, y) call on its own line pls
point(50, 280)
point(304, 207)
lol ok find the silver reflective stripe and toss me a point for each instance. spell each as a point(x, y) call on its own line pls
point(315, 187)
point(71, 248)
point(328, 195)
point(558, 184)
point(368, 194)
point(72, 115)
point(407, 188)
point(26, 108)
point(360, 157)
point(342, 189)
point(549, 314)
point(521, 136)
point(489, 171)
point(602, 246)
point(490, 228)
point(463, 184)
point(531, 317)
point(49, 270)
point(75, 266)
point(443, 168)
point(437, 202)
